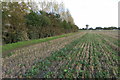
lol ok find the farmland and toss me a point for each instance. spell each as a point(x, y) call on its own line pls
point(86, 54)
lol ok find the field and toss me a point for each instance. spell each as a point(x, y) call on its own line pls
point(86, 54)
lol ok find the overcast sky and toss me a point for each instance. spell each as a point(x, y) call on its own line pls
point(95, 13)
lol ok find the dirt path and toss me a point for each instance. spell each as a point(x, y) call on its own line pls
point(24, 58)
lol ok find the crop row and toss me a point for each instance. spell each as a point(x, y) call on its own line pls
point(24, 58)
point(86, 57)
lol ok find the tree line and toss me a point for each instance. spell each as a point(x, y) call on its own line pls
point(100, 28)
point(33, 20)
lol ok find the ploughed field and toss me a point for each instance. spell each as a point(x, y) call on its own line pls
point(87, 54)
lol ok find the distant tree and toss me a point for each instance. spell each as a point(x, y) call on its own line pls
point(82, 29)
point(91, 28)
point(105, 28)
point(98, 28)
point(110, 28)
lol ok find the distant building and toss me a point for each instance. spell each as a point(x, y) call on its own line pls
point(87, 26)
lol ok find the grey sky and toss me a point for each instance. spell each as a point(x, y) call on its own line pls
point(96, 13)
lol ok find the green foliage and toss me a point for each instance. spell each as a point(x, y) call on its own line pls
point(65, 25)
point(13, 22)
point(45, 21)
point(35, 19)
point(23, 23)
point(32, 19)
point(45, 24)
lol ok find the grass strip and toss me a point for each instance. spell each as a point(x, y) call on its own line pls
point(12, 46)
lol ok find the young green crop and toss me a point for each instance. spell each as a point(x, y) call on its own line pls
point(55, 56)
point(85, 57)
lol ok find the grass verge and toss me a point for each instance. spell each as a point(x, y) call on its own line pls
point(8, 47)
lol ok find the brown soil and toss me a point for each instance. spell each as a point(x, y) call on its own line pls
point(24, 58)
